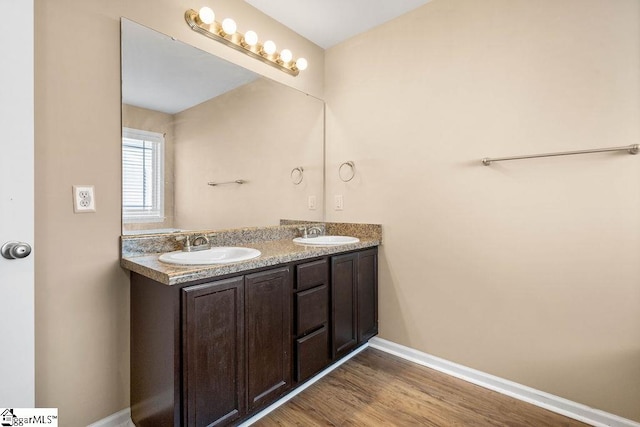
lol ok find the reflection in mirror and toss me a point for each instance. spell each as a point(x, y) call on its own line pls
point(191, 119)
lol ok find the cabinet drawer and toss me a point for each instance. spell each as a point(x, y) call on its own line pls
point(312, 354)
point(312, 308)
point(312, 274)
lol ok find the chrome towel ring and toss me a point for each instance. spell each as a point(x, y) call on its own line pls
point(347, 174)
point(297, 175)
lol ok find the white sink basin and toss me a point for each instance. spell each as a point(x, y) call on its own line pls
point(215, 255)
point(326, 240)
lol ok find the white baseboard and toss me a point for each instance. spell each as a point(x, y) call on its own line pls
point(119, 419)
point(539, 398)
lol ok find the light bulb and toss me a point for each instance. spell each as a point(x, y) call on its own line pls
point(250, 38)
point(229, 26)
point(269, 47)
point(286, 55)
point(206, 15)
point(302, 64)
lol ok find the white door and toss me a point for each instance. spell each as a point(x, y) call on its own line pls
point(16, 205)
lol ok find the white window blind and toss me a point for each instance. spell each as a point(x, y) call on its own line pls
point(142, 176)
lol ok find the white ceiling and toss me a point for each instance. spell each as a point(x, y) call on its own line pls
point(329, 22)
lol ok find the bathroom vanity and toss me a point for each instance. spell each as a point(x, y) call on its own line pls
point(213, 345)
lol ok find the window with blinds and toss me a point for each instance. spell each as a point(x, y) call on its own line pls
point(142, 176)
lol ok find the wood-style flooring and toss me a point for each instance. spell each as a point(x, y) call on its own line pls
point(378, 389)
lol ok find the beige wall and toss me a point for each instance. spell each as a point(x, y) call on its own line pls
point(258, 132)
point(82, 294)
point(154, 121)
point(527, 270)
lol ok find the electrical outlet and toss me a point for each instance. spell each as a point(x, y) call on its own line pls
point(338, 202)
point(312, 203)
point(83, 199)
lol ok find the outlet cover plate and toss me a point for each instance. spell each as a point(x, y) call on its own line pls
point(312, 204)
point(84, 199)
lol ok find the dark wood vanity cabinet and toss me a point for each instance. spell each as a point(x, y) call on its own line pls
point(208, 354)
point(367, 295)
point(354, 296)
point(235, 329)
point(336, 308)
point(268, 325)
point(214, 352)
point(311, 302)
point(344, 270)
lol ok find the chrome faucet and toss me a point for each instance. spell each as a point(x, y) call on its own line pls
point(306, 232)
point(195, 246)
point(191, 244)
point(314, 231)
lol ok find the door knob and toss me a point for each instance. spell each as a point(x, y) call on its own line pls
point(15, 250)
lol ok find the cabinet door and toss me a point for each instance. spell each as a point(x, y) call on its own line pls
point(343, 303)
point(367, 294)
point(268, 322)
point(213, 358)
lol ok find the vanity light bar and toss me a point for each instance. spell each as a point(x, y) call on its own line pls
point(203, 22)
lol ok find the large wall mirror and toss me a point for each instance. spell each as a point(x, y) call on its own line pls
point(210, 145)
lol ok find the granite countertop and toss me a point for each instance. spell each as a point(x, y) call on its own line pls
point(274, 252)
